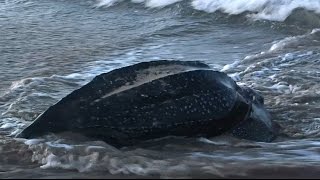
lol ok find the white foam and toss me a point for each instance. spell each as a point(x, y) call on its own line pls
point(235, 76)
point(288, 57)
point(315, 31)
point(148, 3)
point(158, 3)
point(285, 42)
point(14, 133)
point(69, 162)
point(106, 2)
point(33, 141)
point(8, 125)
point(274, 10)
point(59, 145)
point(307, 39)
point(230, 66)
point(140, 161)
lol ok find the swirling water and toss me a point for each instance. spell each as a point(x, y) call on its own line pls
point(51, 47)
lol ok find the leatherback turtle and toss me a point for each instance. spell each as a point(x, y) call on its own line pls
point(156, 99)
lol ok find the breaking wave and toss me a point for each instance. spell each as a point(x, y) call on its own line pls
point(291, 11)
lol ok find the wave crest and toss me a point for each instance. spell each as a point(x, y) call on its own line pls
point(274, 10)
point(289, 11)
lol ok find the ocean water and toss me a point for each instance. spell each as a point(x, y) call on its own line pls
point(49, 48)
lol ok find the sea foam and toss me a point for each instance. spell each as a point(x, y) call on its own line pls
point(273, 10)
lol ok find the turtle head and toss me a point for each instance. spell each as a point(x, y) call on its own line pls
point(258, 126)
